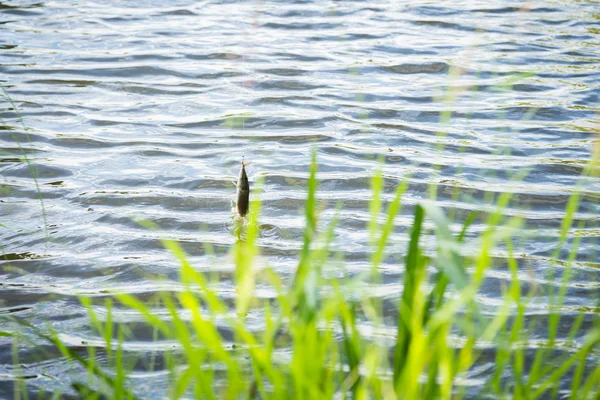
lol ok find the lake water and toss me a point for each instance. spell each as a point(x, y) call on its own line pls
point(144, 109)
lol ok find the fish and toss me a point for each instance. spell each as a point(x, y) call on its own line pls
point(243, 192)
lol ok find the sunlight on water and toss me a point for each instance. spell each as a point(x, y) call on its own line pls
point(144, 110)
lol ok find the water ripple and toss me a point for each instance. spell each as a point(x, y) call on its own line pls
point(143, 111)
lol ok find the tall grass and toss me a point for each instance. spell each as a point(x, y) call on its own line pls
point(23, 155)
point(323, 337)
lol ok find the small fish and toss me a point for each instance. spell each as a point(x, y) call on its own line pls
point(243, 192)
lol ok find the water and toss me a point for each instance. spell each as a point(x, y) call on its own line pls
point(142, 110)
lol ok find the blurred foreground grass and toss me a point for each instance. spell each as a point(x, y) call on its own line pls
point(324, 337)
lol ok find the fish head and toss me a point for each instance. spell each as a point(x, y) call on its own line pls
point(243, 178)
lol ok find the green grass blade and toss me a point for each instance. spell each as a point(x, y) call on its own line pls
point(403, 339)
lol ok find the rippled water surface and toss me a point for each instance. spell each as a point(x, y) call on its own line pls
point(144, 109)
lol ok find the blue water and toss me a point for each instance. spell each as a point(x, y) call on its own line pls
point(144, 110)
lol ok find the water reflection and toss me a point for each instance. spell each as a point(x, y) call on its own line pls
point(144, 110)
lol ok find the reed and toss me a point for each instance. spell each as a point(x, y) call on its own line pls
point(323, 337)
point(314, 342)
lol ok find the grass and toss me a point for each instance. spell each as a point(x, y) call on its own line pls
point(23, 156)
point(323, 337)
